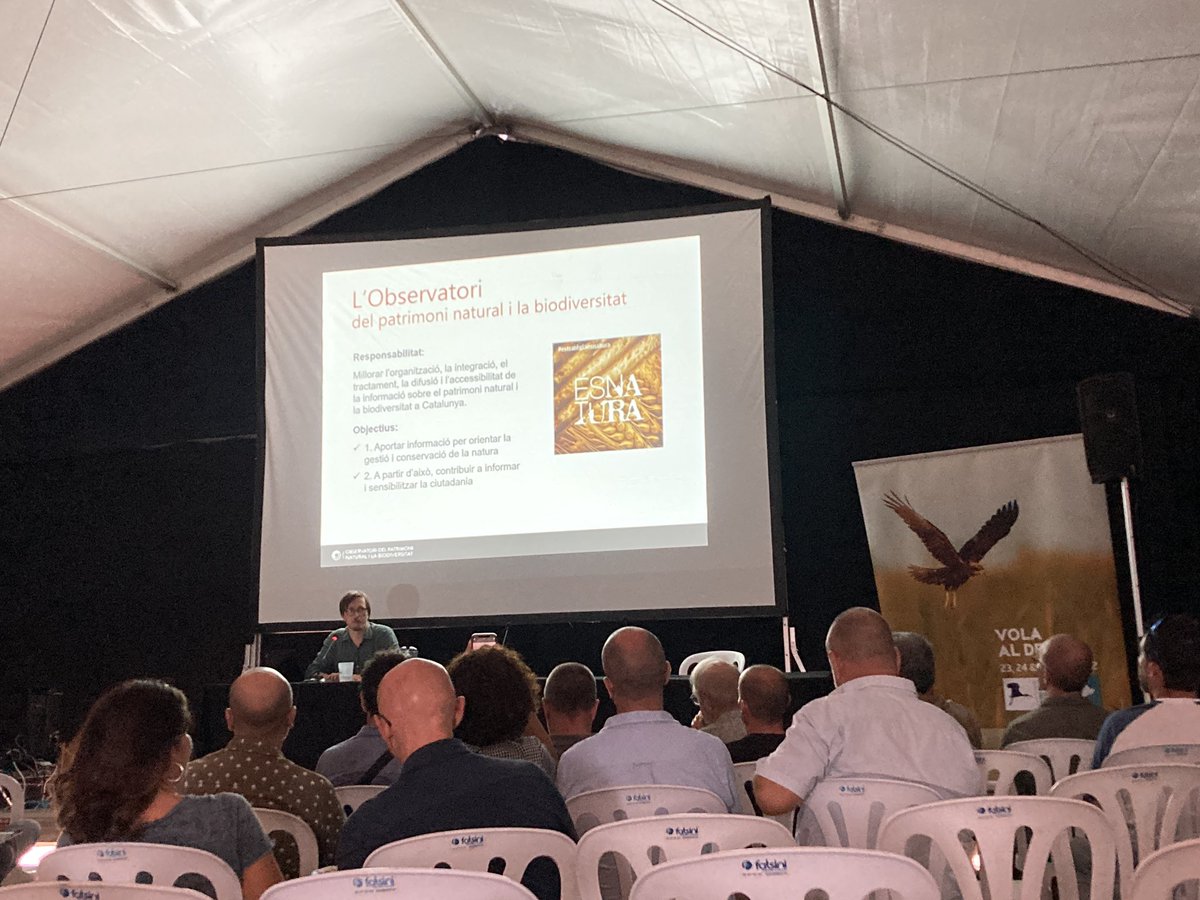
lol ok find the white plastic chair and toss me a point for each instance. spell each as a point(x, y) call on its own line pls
point(848, 812)
point(592, 808)
point(16, 795)
point(743, 777)
point(1008, 764)
point(1156, 754)
point(992, 826)
point(787, 874)
point(1144, 803)
point(122, 862)
point(411, 884)
point(95, 890)
point(733, 657)
point(274, 821)
point(473, 850)
point(1164, 870)
point(352, 796)
point(645, 843)
point(1065, 756)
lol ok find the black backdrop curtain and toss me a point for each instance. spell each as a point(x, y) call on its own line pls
point(126, 470)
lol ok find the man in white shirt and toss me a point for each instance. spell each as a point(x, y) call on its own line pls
point(872, 725)
point(1169, 671)
point(643, 744)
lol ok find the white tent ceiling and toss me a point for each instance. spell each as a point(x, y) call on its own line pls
point(146, 143)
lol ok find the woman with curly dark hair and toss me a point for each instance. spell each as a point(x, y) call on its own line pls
point(502, 700)
point(120, 782)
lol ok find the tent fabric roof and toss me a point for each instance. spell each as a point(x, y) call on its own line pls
point(146, 143)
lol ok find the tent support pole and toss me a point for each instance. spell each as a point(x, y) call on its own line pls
point(833, 150)
point(1131, 548)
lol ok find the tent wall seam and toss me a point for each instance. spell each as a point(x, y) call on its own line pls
point(833, 149)
point(298, 218)
point(670, 170)
point(485, 117)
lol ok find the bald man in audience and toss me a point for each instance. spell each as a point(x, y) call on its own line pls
point(642, 743)
point(443, 784)
point(715, 691)
point(260, 715)
point(872, 725)
point(569, 702)
point(763, 701)
point(1063, 672)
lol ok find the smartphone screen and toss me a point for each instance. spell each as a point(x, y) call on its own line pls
point(482, 639)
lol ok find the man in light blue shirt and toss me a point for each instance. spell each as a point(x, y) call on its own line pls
point(347, 762)
point(643, 744)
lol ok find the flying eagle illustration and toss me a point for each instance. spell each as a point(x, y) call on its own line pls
point(957, 565)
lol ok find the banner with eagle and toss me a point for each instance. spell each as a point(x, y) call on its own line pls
point(988, 551)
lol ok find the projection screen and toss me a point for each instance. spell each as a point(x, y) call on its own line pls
point(558, 420)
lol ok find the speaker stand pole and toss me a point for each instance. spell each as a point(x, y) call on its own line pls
point(790, 650)
point(1127, 511)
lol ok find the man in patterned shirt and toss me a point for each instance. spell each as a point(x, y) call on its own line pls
point(260, 715)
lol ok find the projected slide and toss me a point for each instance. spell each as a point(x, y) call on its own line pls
point(536, 403)
point(562, 421)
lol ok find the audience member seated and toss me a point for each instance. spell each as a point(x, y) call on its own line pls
point(918, 666)
point(1063, 671)
point(365, 758)
point(443, 785)
point(872, 725)
point(715, 691)
point(501, 694)
point(643, 744)
point(763, 700)
point(1169, 671)
point(119, 781)
point(569, 702)
point(260, 715)
point(360, 640)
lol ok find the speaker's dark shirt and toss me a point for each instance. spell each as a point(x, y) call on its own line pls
point(445, 786)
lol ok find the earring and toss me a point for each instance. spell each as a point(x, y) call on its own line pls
point(178, 778)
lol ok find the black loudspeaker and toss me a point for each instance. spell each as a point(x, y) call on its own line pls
point(1111, 437)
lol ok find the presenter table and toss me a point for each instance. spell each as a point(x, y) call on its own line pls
point(327, 713)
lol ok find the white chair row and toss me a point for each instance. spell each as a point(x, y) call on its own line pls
point(1144, 808)
point(967, 845)
point(412, 884)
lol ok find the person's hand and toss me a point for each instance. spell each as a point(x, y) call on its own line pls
point(698, 721)
point(329, 676)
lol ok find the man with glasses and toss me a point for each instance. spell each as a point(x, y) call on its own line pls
point(356, 643)
point(1169, 672)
